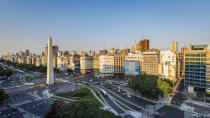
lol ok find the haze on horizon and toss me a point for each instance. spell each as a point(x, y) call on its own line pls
point(98, 24)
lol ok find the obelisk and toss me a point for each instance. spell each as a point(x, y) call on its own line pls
point(50, 73)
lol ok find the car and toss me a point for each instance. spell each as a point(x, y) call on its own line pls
point(128, 95)
point(184, 98)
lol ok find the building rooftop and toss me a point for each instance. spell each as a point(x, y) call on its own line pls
point(199, 47)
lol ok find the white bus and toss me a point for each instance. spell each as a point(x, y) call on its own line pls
point(104, 92)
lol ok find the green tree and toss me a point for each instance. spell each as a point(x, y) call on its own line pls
point(3, 96)
point(150, 85)
point(85, 109)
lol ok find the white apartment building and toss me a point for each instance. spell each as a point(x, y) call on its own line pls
point(86, 64)
point(60, 62)
point(168, 64)
point(106, 65)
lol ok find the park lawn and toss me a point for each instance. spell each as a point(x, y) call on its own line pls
point(29, 78)
point(98, 95)
point(82, 94)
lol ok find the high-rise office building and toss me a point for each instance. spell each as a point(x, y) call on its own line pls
point(151, 60)
point(21, 54)
point(144, 45)
point(86, 64)
point(168, 64)
point(75, 62)
point(197, 68)
point(119, 64)
point(96, 64)
point(27, 52)
point(106, 65)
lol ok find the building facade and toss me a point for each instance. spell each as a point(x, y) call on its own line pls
point(75, 63)
point(151, 60)
point(174, 46)
point(86, 64)
point(137, 59)
point(106, 65)
point(168, 65)
point(197, 68)
point(119, 64)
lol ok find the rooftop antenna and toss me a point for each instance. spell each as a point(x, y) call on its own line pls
point(143, 35)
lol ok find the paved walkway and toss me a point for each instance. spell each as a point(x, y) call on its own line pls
point(28, 114)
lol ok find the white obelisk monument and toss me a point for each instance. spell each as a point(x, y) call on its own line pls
point(50, 73)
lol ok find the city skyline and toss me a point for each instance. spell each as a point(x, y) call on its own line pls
point(105, 58)
point(101, 24)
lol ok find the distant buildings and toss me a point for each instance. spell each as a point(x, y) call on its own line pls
point(75, 62)
point(96, 64)
point(151, 60)
point(27, 52)
point(192, 63)
point(131, 63)
point(142, 46)
point(119, 65)
point(168, 65)
point(60, 61)
point(106, 65)
point(86, 64)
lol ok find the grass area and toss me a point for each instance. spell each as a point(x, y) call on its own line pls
point(29, 78)
point(121, 105)
point(83, 94)
point(36, 86)
point(31, 92)
point(98, 95)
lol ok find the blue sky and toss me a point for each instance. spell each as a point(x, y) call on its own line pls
point(98, 24)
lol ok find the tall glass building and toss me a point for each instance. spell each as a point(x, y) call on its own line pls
point(197, 68)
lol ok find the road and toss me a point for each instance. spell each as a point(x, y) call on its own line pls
point(128, 104)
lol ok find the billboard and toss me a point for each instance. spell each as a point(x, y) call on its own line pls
point(132, 67)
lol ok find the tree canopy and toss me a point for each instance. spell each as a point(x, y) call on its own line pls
point(150, 86)
point(3, 96)
point(79, 109)
point(5, 72)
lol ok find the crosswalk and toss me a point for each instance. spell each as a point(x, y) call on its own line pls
point(16, 104)
point(5, 108)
